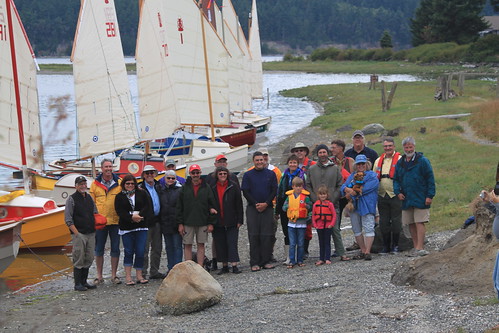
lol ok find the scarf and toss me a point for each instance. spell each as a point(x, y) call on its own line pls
point(291, 175)
point(129, 195)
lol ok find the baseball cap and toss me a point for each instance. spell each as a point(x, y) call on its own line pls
point(264, 151)
point(170, 161)
point(220, 157)
point(357, 132)
point(361, 159)
point(80, 179)
point(194, 167)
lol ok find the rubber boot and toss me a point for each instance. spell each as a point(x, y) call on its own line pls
point(286, 253)
point(214, 264)
point(85, 278)
point(305, 247)
point(77, 274)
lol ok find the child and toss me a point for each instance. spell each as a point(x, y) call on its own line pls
point(323, 219)
point(297, 206)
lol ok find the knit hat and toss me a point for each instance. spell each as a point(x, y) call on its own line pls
point(322, 146)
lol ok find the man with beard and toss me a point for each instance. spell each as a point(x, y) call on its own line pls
point(326, 173)
point(414, 185)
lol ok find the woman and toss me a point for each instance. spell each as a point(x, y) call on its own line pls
point(229, 205)
point(494, 199)
point(363, 215)
point(285, 185)
point(132, 207)
point(168, 224)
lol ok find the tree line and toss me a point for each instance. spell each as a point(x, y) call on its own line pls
point(300, 24)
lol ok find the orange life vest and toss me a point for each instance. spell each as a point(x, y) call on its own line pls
point(297, 208)
point(322, 210)
point(395, 159)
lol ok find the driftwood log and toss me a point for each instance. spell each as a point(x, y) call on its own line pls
point(465, 268)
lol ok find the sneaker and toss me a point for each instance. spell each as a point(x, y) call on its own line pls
point(236, 270)
point(412, 253)
point(395, 250)
point(353, 247)
point(422, 253)
point(384, 251)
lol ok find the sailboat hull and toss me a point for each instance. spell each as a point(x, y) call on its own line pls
point(9, 243)
point(44, 224)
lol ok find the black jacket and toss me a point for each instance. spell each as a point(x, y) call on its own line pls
point(232, 206)
point(124, 209)
point(159, 188)
point(168, 200)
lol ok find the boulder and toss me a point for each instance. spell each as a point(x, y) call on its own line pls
point(187, 288)
point(373, 129)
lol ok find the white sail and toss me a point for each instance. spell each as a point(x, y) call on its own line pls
point(157, 102)
point(106, 120)
point(256, 54)
point(185, 24)
point(232, 21)
point(21, 60)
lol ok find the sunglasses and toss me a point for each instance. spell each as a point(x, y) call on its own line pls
point(222, 173)
point(149, 172)
point(195, 173)
point(171, 178)
point(300, 150)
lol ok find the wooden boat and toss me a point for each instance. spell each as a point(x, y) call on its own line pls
point(20, 139)
point(9, 242)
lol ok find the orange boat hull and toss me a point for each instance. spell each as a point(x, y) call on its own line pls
point(45, 230)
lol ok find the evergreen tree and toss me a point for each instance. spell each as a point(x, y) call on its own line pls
point(438, 21)
point(495, 5)
point(386, 40)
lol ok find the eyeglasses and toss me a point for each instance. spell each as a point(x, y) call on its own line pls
point(222, 173)
point(171, 178)
point(149, 172)
point(129, 183)
point(195, 172)
point(299, 150)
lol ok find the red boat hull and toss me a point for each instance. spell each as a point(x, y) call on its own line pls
point(247, 137)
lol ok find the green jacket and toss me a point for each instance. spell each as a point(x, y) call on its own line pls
point(193, 210)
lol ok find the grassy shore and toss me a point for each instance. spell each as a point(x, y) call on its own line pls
point(462, 167)
point(374, 67)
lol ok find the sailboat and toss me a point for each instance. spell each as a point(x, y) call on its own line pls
point(182, 78)
point(252, 65)
point(20, 135)
point(9, 243)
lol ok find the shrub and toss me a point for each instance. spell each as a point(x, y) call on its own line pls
point(486, 49)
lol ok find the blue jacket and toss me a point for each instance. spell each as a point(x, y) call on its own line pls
point(415, 180)
point(365, 203)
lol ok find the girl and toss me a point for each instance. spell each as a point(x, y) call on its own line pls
point(323, 219)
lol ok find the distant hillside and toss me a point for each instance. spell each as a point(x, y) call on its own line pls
point(299, 24)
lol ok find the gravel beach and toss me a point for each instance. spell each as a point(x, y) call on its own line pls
point(354, 296)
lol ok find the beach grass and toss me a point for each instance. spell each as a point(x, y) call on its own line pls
point(462, 168)
point(374, 67)
point(68, 68)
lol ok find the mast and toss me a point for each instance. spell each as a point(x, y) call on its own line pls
point(18, 99)
point(210, 106)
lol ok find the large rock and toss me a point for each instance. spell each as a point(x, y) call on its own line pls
point(187, 288)
point(373, 129)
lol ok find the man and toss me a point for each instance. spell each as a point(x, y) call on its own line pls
point(220, 161)
point(104, 190)
point(79, 217)
point(302, 152)
point(360, 148)
point(170, 164)
point(195, 207)
point(259, 187)
point(389, 206)
point(326, 173)
point(414, 185)
point(345, 163)
point(154, 243)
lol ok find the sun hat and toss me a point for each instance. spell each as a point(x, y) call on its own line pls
point(149, 168)
point(300, 145)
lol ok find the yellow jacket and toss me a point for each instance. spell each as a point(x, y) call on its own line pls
point(104, 199)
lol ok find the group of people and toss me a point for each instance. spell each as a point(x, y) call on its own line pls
point(307, 194)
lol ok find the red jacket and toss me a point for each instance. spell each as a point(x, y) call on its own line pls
point(323, 214)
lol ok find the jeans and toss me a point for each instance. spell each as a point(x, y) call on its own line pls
point(296, 244)
point(134, 243)
point(324, 243)
point(174, 251)
point(101, 238)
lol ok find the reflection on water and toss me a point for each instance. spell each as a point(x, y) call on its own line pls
point(28, 270)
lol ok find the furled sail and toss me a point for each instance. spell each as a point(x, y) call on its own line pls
point(106, 119)
point(18, 68)
point(256, 54)
point(157, 102)
point(193, 76)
